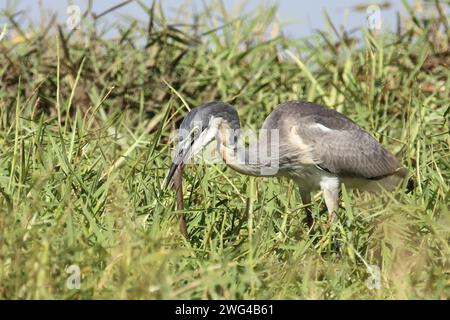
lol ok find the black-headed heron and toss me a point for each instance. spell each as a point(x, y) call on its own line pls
point(319, 148)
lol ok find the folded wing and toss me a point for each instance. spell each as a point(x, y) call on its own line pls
point(341, 147)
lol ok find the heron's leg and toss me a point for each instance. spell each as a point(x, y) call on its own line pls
point(305, 194)
point(330, 188)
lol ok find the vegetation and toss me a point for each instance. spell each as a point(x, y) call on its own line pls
point(85, 125)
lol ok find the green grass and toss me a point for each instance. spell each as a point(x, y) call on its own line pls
point(85, 124)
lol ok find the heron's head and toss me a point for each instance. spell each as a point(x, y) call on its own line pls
point(198, 129)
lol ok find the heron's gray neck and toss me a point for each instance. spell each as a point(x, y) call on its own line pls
point(258, 159)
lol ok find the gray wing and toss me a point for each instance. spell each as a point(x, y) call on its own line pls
point(314, 134)
point(341, 147)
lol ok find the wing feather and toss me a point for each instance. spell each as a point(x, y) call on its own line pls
point(348, 151)
point(330, 140)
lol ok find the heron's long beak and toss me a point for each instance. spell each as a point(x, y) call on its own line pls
point(172, 171)
point(184, 146)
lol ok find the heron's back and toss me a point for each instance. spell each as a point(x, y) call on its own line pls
point(313, 135)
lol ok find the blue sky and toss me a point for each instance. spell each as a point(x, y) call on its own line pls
point(302, 16)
